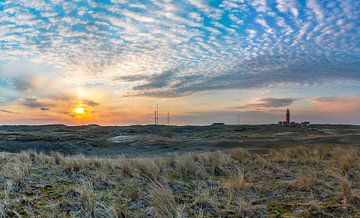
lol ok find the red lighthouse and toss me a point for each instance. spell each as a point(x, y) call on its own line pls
point(288, 116)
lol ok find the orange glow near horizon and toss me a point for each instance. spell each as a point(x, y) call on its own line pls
point(80, 112)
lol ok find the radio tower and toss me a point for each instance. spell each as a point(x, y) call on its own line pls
point(157, 114)
point(168, 118)
point(155, 118)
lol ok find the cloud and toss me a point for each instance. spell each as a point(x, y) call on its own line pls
point(176, 48)
point(286, 6)
point(335, 99)
point(317, 10)
point(346, 99)
point(131, 78)
point(158, 81)
point(7, 111)
point(273, 102)
point(167, 84)
point(267, 103)
point(21, 85)
point(336, 104)
point(44, 108)
point(34, 103)
point(256, 73)
point(91, 103)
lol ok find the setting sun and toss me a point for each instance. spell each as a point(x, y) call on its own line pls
point(79, 110)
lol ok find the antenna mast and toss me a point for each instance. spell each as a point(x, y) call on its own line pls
point(155, 118)
point(157, 114)
point(168, 118)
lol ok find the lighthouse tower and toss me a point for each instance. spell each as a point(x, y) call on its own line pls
point(288, 117)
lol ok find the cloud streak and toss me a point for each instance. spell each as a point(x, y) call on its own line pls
point(33, 103)
point(273, 102)
point(266, 103)
point(8, 111)
point(257, 73)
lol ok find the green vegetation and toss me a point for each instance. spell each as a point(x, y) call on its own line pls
point(282, 182)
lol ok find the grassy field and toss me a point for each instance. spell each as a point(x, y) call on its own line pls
point(313, 181)
point(161, 140)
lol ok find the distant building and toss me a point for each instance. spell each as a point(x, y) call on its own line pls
point(288, 121)
point(218, 124)
point(305, 124)
point(288, 116)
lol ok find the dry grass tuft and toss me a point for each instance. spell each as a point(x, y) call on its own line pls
point(345, 163)
point(207, 204)
point(288, 154)
point(322, 153)
point(71, 165)
point(266, 163)
point(306, 180)
point(146, 167)
point(346, 193)
point(57, 157)
point(240, 154)
point(185, 166)
point(345, 187)
point(344, 158)
point(276, 155)
point(133, 189)
point(162, 199)
point(236, 181)
point(219, 162)
point(126, 167)
point(16, 170)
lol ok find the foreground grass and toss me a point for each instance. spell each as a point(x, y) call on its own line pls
point(296, 181)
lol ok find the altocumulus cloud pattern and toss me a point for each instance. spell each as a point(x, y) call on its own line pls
point(173, 48)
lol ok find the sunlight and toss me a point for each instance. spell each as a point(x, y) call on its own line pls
point(80, 112)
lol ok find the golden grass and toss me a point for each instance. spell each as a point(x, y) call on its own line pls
point(236, 181)
point(162, 199)
point(297, 181)
point(306, 180)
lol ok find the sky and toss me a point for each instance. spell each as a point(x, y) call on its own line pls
point(110, 62)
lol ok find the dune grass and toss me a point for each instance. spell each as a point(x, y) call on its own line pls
point(293, 181)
